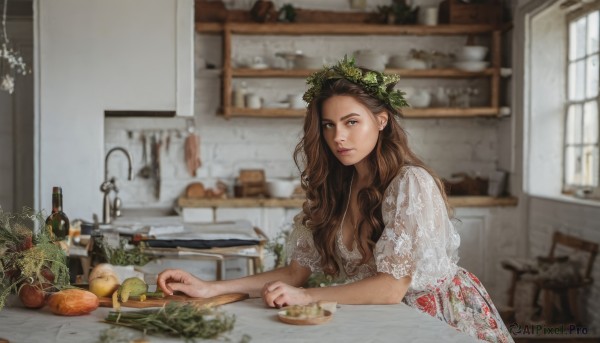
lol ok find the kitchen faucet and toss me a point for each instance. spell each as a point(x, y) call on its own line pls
point(109, 185)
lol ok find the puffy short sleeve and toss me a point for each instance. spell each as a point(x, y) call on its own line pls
point(301, 247)
point(419, 239)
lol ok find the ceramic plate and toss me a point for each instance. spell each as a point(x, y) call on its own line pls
point(305, 321)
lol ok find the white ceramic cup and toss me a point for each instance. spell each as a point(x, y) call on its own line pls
point(296, 101)
point(253, 101)
point(430, 16)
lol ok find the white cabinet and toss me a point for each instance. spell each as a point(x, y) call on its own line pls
point(98, 55)
point(144, 54)
point(471, 250)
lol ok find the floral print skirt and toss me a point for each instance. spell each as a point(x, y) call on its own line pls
point(464, 304)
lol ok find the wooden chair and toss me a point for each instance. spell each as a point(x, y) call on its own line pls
point(565, 292)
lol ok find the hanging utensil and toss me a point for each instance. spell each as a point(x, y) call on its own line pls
point(146, 170)
point(192, 151)
point(155, 155)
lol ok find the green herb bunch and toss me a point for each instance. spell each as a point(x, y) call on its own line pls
point(377, 84)
point(183, 320)
point(29, 257)
point(122, 256)
point(277, 246)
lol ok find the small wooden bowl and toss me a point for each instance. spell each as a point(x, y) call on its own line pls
point(305, 321)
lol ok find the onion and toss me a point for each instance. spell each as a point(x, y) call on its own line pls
point(32, 295)
point(102, 269)
point(73, 302)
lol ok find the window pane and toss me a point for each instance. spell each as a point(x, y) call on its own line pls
point(591, 77)
point(590, 166)
point(576, 80)
point(577, 39)
point(573, 165)
point(592, 32)
point(573, 128)
point(590, 122)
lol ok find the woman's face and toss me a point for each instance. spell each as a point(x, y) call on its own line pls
point(350, 129)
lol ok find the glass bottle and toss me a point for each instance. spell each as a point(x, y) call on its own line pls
point(58, 220)
point(239, 94)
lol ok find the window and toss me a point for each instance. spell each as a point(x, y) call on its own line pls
point(581, 158)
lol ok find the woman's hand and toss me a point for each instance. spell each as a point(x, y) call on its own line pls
point(171, 280)
point(279, 294)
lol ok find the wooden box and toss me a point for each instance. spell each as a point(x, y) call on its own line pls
point(251, 183)
point(457, 12)
point(210, 11)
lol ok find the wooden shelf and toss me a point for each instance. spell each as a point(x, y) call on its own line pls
point(432, 112)
point(267, 112)
point(408, 73)
point(456, 201)
point(443, 112)
point(228, 30)
point(343, 29)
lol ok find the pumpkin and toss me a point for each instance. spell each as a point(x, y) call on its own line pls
point(73, 302)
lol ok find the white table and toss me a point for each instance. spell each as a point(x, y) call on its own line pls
point(351, 323)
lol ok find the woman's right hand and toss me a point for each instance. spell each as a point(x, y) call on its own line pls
point(171, 280)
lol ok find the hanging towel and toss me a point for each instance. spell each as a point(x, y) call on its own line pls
point(192, 153)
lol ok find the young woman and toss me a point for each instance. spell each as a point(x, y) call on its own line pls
point(375, 217)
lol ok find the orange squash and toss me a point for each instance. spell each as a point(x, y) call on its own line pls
point(73, 302)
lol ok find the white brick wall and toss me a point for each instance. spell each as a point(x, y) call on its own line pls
point(447, 145)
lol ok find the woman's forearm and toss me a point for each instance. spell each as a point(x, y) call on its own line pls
point(378, 289)
point(293, 274)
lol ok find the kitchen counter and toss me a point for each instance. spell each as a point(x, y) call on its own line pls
point(457, 201)
point(351, 323)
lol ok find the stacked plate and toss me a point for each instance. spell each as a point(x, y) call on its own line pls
point(471, 58)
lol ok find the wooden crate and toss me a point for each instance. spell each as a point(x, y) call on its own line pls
point(457, 12)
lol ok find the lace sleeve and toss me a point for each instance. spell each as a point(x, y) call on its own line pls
point(418, 239)
point(301, 247)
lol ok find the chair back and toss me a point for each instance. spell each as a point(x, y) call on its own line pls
point(576, 243)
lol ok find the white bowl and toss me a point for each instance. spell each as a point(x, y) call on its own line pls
point(472, 53)
point(471, 65)
point(279, 188)
point(419, 99)
point(410, 63)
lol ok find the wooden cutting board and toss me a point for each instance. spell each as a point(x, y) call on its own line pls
point(159, 302)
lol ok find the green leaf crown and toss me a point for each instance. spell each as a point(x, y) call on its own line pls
point(377, 84)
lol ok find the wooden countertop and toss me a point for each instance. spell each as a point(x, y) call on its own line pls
point(462, 201)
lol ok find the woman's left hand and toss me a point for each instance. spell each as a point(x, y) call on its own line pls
point(279, 294)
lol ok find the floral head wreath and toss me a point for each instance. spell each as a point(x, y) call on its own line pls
point(377, 84)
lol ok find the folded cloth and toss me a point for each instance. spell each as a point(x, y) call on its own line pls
point(199, 243)
point(240, 230)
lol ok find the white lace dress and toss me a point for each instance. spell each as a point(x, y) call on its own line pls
point(420, 241)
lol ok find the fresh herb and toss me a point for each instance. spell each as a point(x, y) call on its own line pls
point(320, 280)
point(377, 84)
point(183, 320)
point(119, 335)
point(122, 256)
point(28, 257)
point(277, 247)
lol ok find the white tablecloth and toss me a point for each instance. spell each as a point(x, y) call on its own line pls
point(351, 323)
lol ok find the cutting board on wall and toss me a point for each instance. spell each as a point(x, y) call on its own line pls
point(159, 302)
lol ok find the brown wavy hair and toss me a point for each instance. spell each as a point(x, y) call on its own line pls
point(326, 181)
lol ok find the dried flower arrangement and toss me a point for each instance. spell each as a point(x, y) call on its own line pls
point(31, 263)
point(11, 61)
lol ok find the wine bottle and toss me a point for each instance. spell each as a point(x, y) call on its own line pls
point(58, 220)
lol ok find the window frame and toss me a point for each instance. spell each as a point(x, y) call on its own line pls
point(567, 188)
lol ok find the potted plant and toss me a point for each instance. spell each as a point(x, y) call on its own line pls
point(124, 259)
point(398, 12)
point(31, 263)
